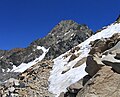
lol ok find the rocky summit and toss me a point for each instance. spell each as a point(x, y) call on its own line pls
point(70, 61)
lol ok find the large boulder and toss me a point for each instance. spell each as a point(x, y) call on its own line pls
point(93, 64)
point(74, 88)
point(105, 83)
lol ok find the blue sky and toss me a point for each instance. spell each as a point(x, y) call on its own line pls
point(22, 21)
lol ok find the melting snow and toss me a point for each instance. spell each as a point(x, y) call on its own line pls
point(1, 57)
point(22, 67)
point(8, 70)
point(59, 82)
point(67, 32)
point(42, 48)
point(3, 70)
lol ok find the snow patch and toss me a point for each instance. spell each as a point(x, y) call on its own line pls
point(8, 70)
point(1, 57)
point(41, 48)
point(58, 81)
point(3, 70)
point(67, 33)
point(72, 34)
point(23, 66)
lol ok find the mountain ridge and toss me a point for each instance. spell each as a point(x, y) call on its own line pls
point(61, 38)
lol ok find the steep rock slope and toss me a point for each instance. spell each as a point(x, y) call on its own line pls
point(62, 38)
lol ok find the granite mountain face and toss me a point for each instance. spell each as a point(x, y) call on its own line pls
point(70, 61)
point(62, 38)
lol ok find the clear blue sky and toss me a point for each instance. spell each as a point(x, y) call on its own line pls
point(22, 21)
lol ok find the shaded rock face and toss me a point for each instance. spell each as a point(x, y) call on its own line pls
point(93, 64)
point(18, 56)
point(62, 38)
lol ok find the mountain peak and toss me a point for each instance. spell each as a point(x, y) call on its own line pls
point(67, 21)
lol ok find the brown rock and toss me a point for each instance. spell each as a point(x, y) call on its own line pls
point(75, 49)
point(105, 83)
point(93, 64)
point(98, 45)
point(65, 69)
point(111, 61)
point(80, 62)
point(61, 94)
point(86, 79)
point(74, 88)
point(114, 49)
point(73, 56)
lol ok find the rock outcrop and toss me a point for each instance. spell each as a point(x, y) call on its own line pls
point(93, 65)
point(105, 83)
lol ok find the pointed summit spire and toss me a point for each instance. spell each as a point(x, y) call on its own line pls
point(118, 19)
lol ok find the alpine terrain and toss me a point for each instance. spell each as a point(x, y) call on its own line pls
point(71, 61)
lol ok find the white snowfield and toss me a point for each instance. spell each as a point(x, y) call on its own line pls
point(22, 67)
point(59, 82)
